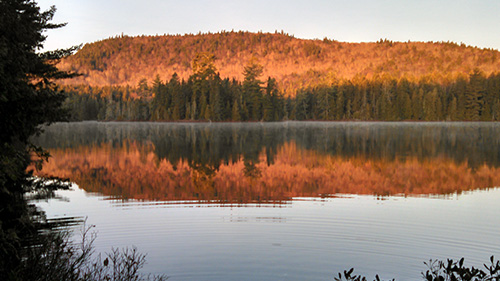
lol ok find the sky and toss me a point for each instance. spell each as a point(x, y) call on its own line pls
point(474, 23)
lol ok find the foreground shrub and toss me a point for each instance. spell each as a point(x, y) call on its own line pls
point(55, 257)
point(442, 271)
point(455, 270)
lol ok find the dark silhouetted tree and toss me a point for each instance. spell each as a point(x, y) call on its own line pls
point(28, 99)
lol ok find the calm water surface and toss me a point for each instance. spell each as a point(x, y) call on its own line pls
point(283, 201)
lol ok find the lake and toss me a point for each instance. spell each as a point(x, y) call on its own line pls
point(283, 201)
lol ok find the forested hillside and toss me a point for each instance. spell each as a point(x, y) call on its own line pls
point(240, 76)
point(294, 63)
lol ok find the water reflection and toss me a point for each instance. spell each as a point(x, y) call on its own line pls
point(188, 181)
point(272, 163)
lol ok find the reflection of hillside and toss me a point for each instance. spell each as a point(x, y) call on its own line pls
point(135, 171)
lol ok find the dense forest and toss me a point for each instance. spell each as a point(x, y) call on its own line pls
point(205, 96)
point(294, 63)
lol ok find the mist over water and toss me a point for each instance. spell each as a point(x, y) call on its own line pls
point(474, 142)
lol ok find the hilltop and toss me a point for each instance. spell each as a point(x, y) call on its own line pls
point(295, 63)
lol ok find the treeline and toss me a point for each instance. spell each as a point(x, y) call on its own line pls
point(205, 96)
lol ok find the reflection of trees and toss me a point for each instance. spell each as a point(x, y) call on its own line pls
point(202, 177)
point(213, 144)
point(475, 143)
point(251, 170)
point(271, 162)
point(135, 171)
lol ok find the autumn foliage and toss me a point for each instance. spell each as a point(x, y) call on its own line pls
point(294, 63)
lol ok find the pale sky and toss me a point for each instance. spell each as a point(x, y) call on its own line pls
point(475, 23)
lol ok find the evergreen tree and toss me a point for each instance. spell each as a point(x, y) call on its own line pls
point(161, 100)
point(235, 112)
point(403, 102)
point(215, 99)
point(252, 88)
point(271, 102)
point(430, 106)
point(339, 105)
point(28, 99)
point(204, 72)
point(323, 101)
point(495, 115)
point(302, 107)
point(474, 96)
point(178, 101)
point(452, 110)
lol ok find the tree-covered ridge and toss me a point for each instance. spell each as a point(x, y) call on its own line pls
point(294, 63)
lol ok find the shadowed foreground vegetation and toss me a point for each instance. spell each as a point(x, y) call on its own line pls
point(58, 256)
point(448, 270)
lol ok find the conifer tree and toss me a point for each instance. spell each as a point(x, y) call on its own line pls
point(28, 99)
point(235, 112)
point(474, 96)
point(178, 101)
point(252, 88)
